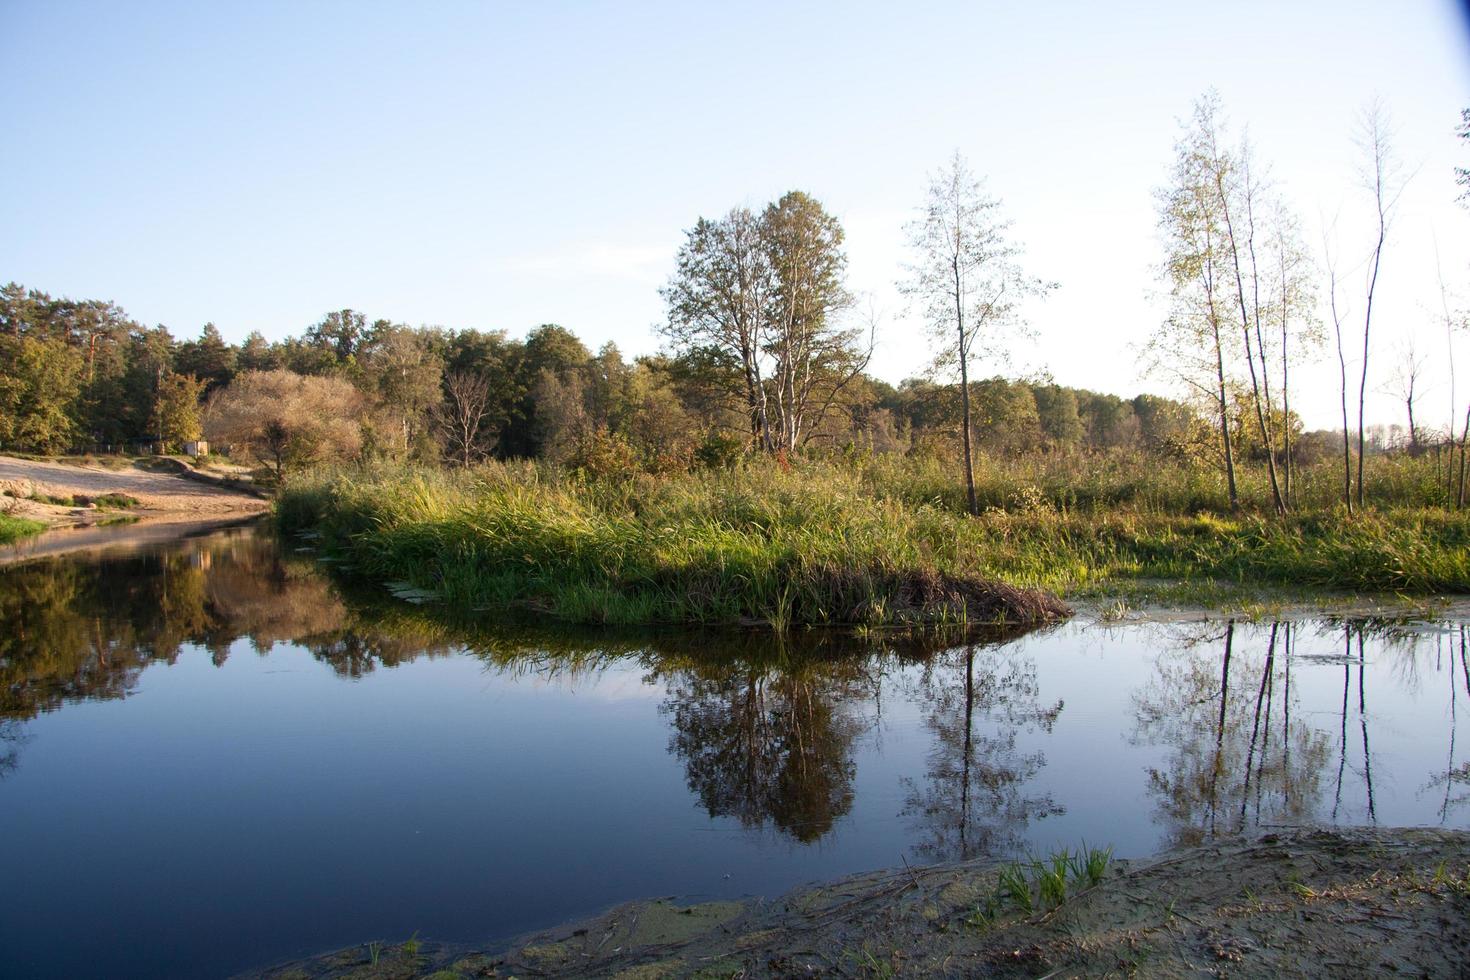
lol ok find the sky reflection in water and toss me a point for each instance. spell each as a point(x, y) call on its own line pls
point(213, 758)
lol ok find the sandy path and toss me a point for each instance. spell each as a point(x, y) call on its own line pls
point(156, 492)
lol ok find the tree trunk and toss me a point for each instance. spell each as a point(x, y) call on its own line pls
point(1367, 324)
point(1347, 451)
point(1464, 439)
point(1245, 326)
point(1225, 421)
point(1286, 462)
point(964, 350)
point(969, 461)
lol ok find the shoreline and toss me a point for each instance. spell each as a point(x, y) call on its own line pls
point(106, 538)
point(1299, 902)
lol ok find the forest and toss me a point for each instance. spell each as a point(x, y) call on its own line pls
point(82, 377)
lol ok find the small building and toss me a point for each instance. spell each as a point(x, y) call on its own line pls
point(196, 447)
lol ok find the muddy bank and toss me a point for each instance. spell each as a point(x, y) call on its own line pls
point(1299, 903)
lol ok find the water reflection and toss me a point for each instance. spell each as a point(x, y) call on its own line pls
point(1211, 702)
point(977, 796)
point(79, 629)
point(349, 759)
point(764, 743)
point(768, 732)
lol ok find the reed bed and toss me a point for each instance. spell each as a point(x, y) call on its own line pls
point(872, 541)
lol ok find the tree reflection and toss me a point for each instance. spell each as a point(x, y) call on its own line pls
point(1456, 778)
point(767, 744)
point(1236, 757)
point(974, 799)
point(79, 628)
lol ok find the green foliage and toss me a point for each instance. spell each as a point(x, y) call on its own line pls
point(13, 528)
point(38, 381)
point(1042, 884)
point(783, 546)
point(719, 450)
point(176, 417)
point(866, 541)
point(1016, 888)
point(115, 501)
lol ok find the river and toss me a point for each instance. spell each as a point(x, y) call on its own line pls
point(215, 757)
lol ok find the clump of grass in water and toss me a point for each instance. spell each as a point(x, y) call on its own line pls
point(14, 528)
point(115, 501)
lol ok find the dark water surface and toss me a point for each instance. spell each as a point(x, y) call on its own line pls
point(213, 758)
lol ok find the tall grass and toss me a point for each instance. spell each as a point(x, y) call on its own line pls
point(754, 544)
point(872, 541)
point(14, 528)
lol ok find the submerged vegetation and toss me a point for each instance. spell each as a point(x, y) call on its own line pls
point(867, 540)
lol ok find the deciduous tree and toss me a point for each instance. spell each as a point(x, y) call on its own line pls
point(967, 281)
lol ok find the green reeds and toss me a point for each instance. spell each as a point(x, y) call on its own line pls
point(751, 545)
point(1038, 884)
point(871, 542)
point(14, 528)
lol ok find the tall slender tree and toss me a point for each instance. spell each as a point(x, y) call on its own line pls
point(967, 281)
point(1381, 178)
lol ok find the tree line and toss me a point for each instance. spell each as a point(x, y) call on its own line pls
point(81, 376)
point(766, 350)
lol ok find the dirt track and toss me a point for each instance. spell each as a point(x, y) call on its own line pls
point(157, 492)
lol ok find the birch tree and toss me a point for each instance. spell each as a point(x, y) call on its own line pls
point(1294, 301)
point(1197, 340)
point(1381, 179)
point(967, 281)
point(813, 355)
point(718, 300)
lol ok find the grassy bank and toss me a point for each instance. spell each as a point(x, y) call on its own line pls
point(12, 528)
point(755, 544)
point(870, 542)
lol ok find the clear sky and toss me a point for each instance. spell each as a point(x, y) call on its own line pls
point(499, 165)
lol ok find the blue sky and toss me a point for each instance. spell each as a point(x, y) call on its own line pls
point(500, 165)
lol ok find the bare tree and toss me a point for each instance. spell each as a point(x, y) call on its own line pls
point(461, 416)
point(1381, 177)
point(1408, 372)
point(1295, 302)
point(967, 279)
point(1337, 321)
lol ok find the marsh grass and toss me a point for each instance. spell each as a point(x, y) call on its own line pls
point(870, 542)
point(14, 528)
point(754, 545)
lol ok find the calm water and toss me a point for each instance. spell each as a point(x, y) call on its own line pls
point(212, 758)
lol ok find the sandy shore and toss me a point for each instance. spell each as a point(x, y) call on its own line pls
point(158, 493)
